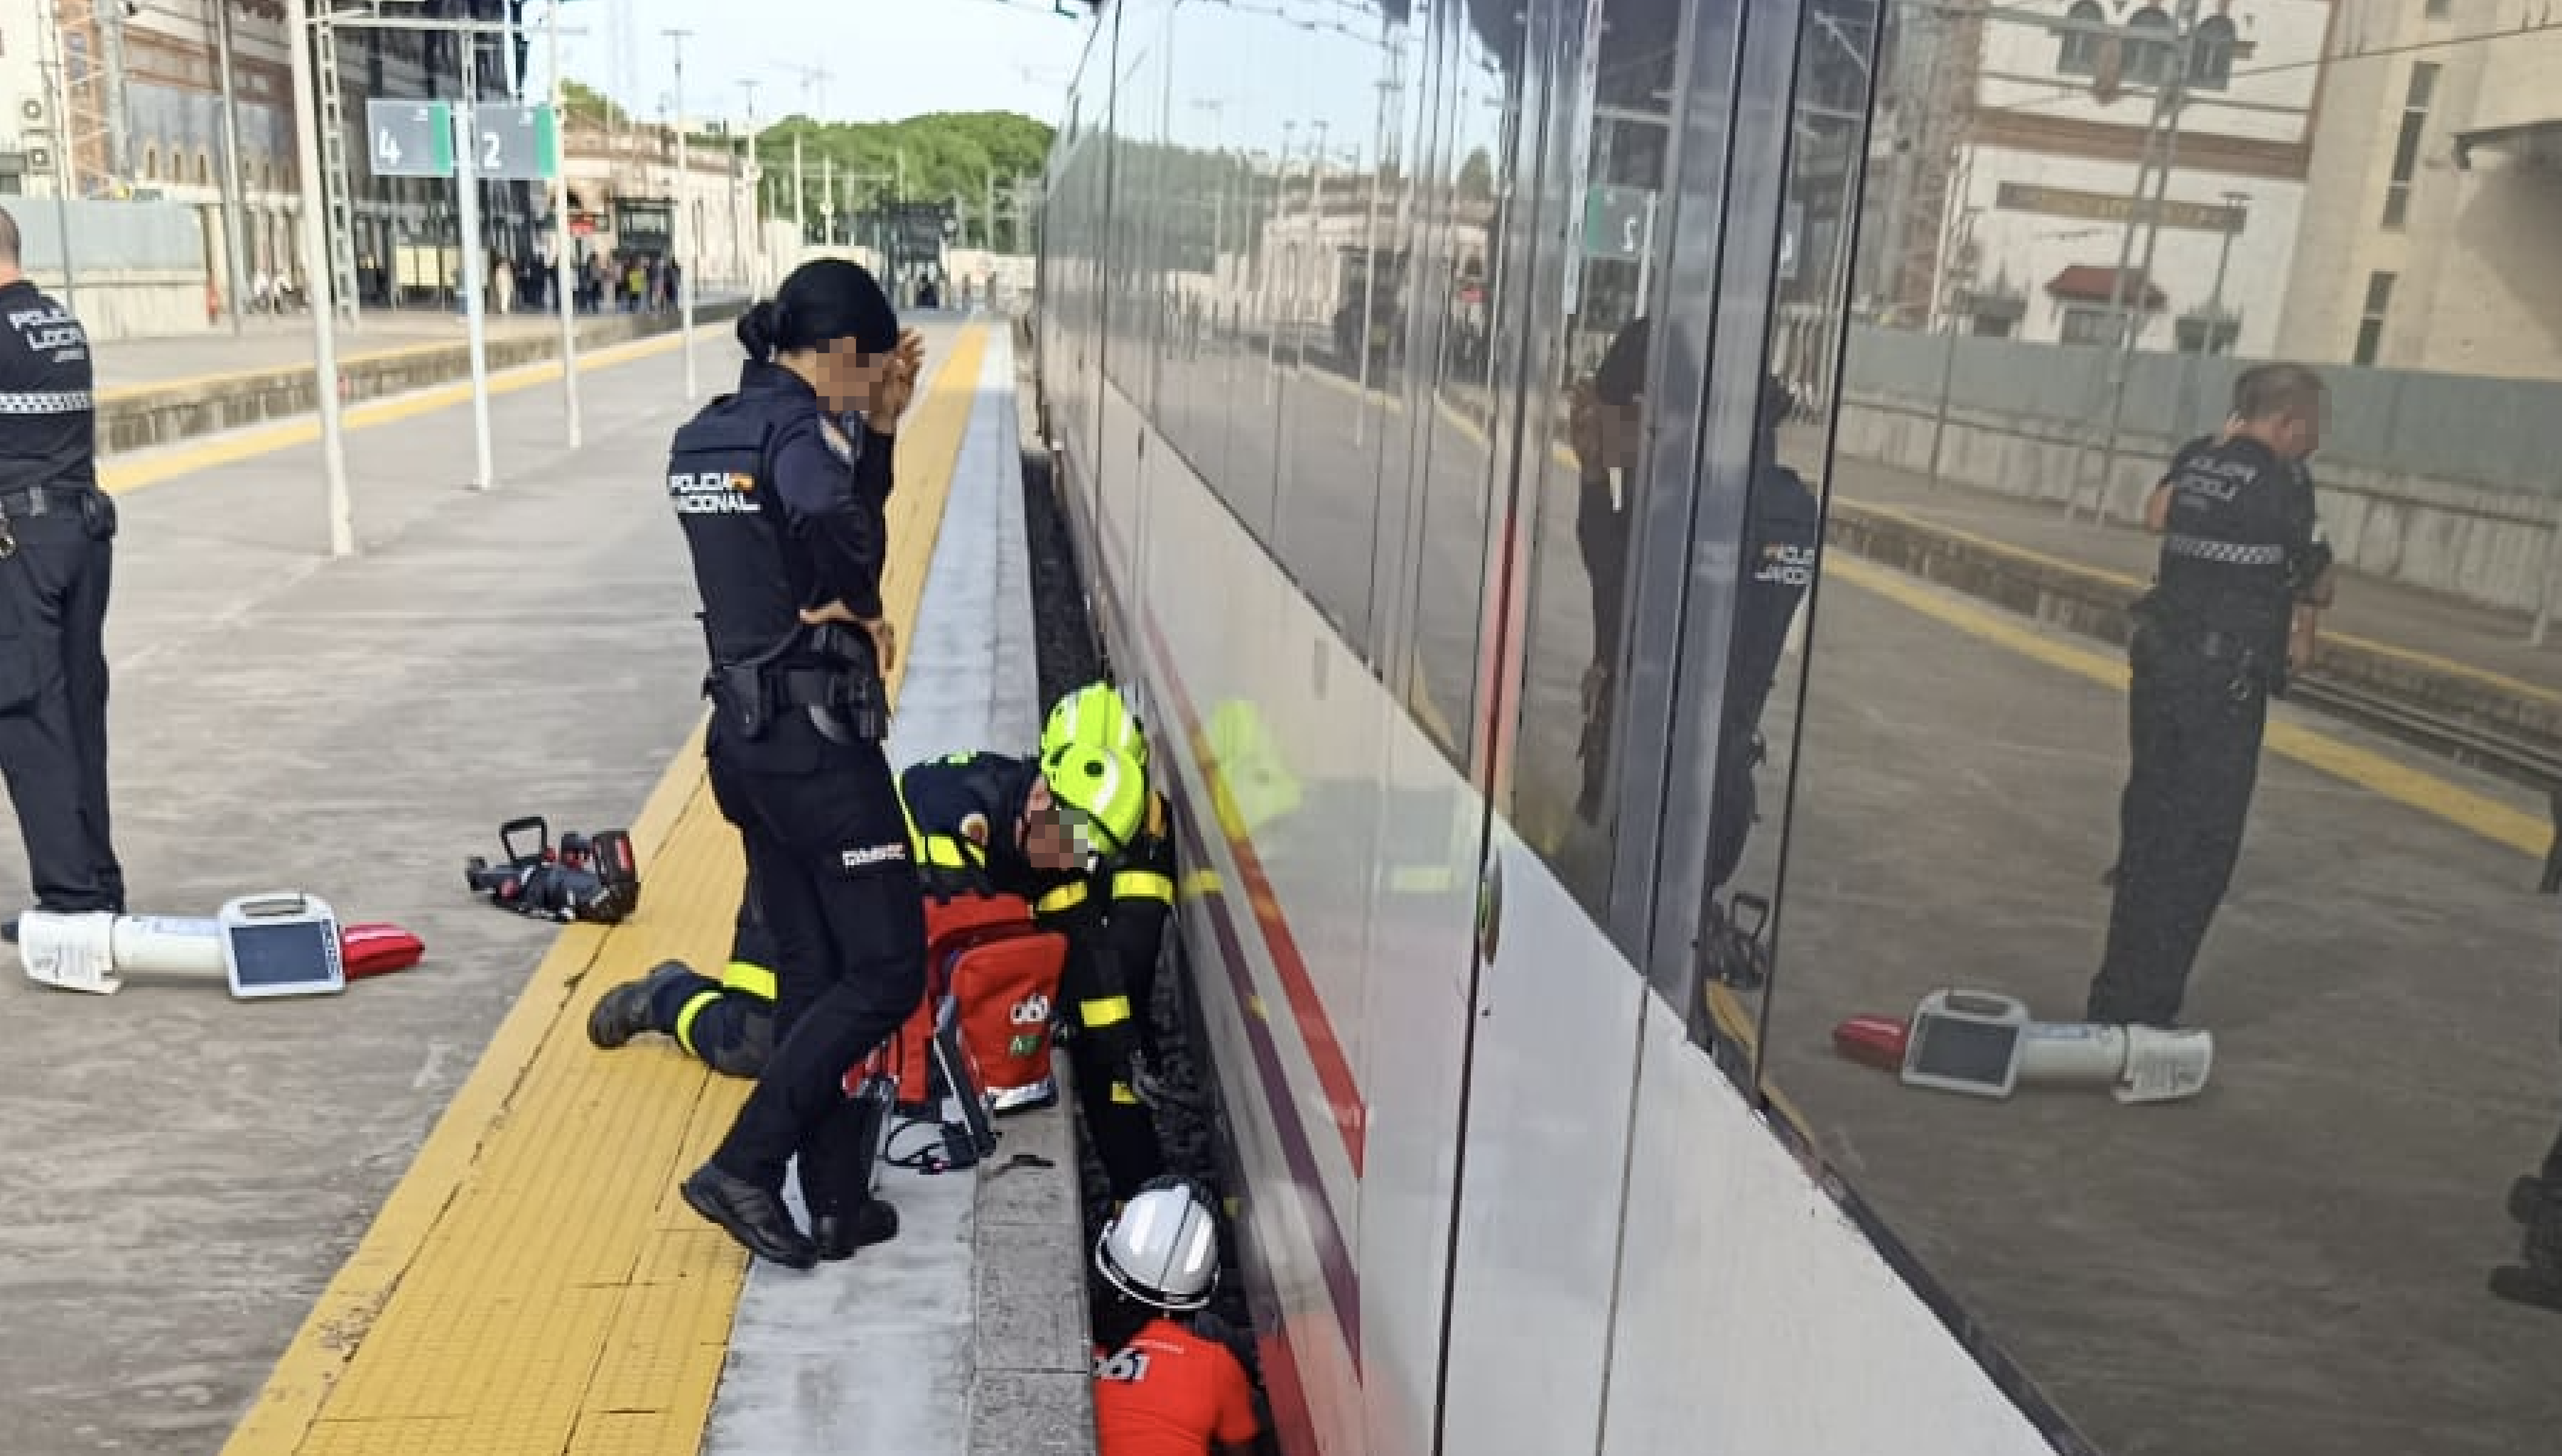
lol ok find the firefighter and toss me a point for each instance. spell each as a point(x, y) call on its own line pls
point(1060, 832)
point(1168, 1379)
point(727, 1023)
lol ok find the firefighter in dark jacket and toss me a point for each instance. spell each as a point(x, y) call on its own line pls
point(1060, 832)
point(783, 514)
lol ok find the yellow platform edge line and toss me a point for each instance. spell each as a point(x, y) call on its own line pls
point(293, 1402)
point(120, 474)
point(2413, 655)
point(118, 394)
point(2439, 799)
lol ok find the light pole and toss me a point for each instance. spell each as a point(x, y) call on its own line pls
point(2162, 132)
point(2238, 203)
point(222, 17)
point(683, 239)
point(562, 244)
point(315, 266)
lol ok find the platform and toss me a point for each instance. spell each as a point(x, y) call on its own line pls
point(427, 1215)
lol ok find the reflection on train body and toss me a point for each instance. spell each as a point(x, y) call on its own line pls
point(1687, 463)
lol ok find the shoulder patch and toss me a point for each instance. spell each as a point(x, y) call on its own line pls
point(835, 436)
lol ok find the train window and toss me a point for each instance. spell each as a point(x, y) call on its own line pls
point(1333, 402)
point(2126, 705)
point(1583, 466)
point(1462, 289)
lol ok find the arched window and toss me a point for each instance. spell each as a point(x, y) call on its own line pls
point(152, 165)
point(2152, 47)
point(2210, 56)
point(2080, 54)
point(204, 169)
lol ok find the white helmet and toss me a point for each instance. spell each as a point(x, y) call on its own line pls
point(1163, 1249)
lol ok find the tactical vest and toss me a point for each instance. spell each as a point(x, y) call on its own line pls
point(747, 568)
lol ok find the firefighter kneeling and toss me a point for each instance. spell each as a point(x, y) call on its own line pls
point(1085, 843)
point(1169, 1379)
point(1078, 835)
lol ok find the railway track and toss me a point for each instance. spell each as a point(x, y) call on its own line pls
point(2521, 760)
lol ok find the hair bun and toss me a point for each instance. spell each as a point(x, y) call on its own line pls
point(759, 328)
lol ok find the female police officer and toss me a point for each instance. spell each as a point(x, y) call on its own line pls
point(781, 509)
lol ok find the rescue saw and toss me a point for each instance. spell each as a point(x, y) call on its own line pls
point(1983, 1044)
point(279, 944)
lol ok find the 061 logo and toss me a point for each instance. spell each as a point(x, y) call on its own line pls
point(1031, 1011)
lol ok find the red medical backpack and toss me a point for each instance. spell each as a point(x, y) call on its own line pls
point(998, 973)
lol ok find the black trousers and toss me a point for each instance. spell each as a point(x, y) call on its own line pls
point(1121, 1129)
point(826, 850)
point(2195, 742)
point(53, 707)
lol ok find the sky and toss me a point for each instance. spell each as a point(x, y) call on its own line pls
point(889, 59)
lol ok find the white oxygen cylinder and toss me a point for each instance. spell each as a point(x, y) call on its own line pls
point(2135, 1063)
point(86, 952)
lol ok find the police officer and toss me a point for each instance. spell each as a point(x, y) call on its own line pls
point(1783, 527)
point(1061, 832)
point(782, 510)
point(727, 1023)
point(1605, 424)
point(2235, 605)
point(57, 552)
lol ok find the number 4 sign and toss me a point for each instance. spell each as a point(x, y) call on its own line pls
point(410, 138)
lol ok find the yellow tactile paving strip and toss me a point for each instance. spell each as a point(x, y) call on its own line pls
point(534, 1286)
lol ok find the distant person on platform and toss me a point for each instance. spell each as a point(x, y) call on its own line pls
point(57, 551)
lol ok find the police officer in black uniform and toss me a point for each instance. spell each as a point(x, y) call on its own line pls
point(57, 552)
point(782, 503)
point(2235, 605)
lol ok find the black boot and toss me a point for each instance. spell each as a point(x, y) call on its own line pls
point(2536, 1281)
point(839, 1235)
point(751, 1214)
point(624, 1013)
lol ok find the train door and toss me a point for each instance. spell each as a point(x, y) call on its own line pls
point(1644, 196)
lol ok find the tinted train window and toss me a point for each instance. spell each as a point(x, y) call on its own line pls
point(2073, 741)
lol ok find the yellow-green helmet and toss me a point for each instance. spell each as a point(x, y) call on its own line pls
point(1095, 716)
point(1103, 794)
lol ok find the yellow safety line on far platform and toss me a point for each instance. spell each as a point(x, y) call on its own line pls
point(135, 471)
point(2499, 823)
point(2431, 662)
point(534, 1286)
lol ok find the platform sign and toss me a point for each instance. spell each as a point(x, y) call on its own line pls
point(517, 143)
point(1618, 222)
point(410, 138)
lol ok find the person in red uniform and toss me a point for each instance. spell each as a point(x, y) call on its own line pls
point(1165, 1383)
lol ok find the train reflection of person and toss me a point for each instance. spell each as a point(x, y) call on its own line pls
point(2235, 606)
point(1783, 522)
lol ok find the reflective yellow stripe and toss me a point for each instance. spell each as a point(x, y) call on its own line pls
point(935, 852)
point(749, 978)
point(1103, 1011)
point(1143, 884)
point(685, 1019)
point(1065, 897)
point(1200, 882)
point(1424, 879)
point(1122, 1094)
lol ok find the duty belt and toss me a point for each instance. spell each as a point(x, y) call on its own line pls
point(36, 501)
point(818, 687)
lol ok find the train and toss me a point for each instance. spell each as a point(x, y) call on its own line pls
point(1321, 287)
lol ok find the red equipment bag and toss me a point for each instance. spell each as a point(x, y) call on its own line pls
point(377, 948)
point(998, 973)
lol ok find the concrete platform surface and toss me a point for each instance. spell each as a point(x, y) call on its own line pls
point(191, 1189)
